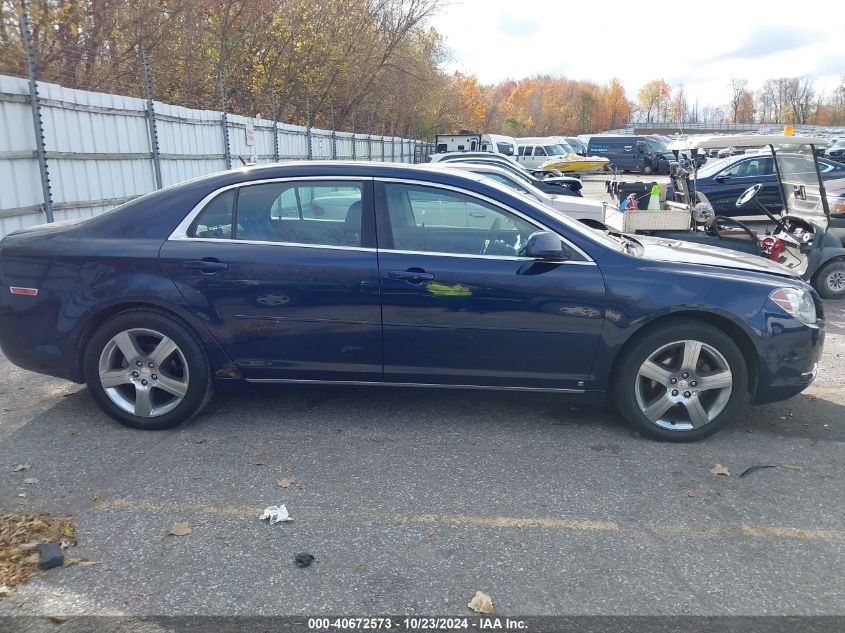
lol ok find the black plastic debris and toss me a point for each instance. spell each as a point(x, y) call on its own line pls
point(303, 560)
point(754, 469)
point(51, 555)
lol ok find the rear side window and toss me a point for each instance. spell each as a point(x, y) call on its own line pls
point(314, 212)
point(215, 220)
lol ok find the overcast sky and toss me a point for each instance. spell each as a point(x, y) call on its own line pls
point(644, 40)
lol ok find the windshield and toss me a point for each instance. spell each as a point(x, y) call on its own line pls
point(507, 182)
point(554, 150)
point(711, 167)
point(658, 144)
point(505, 148)
point(577, 145)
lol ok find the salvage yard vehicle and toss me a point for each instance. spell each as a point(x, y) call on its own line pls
point(154, 313)
point(563, 185)
point(801, 240)
point(582, 209)
point(625, 153)
point(467, 141)
point(724, 180)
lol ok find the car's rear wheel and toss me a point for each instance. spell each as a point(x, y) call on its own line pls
point(647, 170)
point(147, 370)
point(681, 382)
point(830, 280)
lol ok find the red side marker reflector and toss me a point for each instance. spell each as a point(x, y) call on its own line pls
point(29, 292)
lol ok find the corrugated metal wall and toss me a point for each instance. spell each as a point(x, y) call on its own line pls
point(99, 153)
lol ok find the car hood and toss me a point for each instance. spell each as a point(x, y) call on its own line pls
point(672, 250)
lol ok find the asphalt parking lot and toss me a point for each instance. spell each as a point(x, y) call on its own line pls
point(411, 501)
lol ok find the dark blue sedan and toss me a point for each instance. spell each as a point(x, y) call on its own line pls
point(372, 274)
point(723, 181)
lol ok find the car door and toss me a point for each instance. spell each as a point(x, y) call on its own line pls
point(285, 276)
point(729, 184)
point(460, 306)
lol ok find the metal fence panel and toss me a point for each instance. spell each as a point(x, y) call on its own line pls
point(20, 188)
point(99, 153)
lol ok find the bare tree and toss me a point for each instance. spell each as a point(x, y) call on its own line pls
point(738, 88)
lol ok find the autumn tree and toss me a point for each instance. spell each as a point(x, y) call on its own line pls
point(652, 98)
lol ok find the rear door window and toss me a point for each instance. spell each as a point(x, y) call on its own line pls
point(314, 212)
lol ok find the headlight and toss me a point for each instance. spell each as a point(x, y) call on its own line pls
point(797, 303)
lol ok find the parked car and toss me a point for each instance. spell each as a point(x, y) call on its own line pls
point(216, 281)
point(563, 185)
point(836, 151)
point(576, 208)
point(724, 180)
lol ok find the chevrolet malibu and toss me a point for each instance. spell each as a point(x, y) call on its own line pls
point(243, 276)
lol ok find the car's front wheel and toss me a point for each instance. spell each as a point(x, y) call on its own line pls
point(147, 370)
point(681, 382)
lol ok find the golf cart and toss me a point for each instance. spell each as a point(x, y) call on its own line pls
point(799, 240)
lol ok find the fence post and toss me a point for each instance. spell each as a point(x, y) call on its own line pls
point(392, 144)
point(383, 130)
point(37, 123)
point(369, 138)
point(354, 149)
point(275, 126)
point(334, 138)
point(308, 153)
point(151, 118)
point(227, 157)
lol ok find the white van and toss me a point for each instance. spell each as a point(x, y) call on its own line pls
point(534, 152)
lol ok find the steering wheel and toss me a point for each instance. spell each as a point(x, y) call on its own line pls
point(748, 195)
point(492, 234)
point(721, 223)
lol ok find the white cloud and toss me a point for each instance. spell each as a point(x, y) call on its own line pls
point(701, 45)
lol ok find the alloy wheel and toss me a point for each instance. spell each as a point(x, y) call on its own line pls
point(143, 372)
point(835, 281)
point(683, 385)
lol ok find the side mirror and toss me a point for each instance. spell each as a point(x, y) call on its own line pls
point(546, 245)
point(722, 178)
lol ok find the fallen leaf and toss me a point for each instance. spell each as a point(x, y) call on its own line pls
point(718, 469)
point(58, 618)
point(21, 467)
point(482, 603)
point(31, 480)
point(792, 466)
point(260, 461)
point(179, 529)
point(429, 533)
point(285, 483)
point(690, 493)
point(82, 562)
point(95, 496)
point(200, 440)
point(359, 567)
point(22, 495)
point(75, 433)
point(637, 434)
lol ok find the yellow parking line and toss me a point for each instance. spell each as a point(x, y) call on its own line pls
point(502, 522)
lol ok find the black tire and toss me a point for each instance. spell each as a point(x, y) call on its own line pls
point(647, 170)
point(830, 280)
point(198, 377)
point(626, 377)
